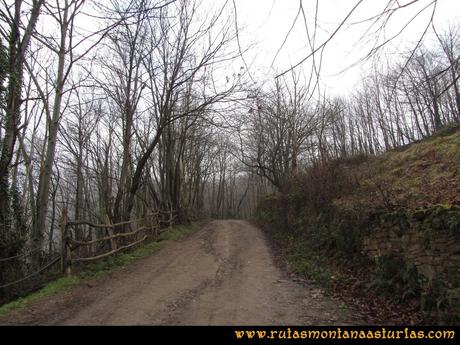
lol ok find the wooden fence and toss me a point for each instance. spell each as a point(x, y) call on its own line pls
point(84, 241)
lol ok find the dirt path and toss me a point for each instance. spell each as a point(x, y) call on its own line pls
point(223, 274)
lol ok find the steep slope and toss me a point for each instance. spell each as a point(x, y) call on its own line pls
point(418, 175)
point(388, 225)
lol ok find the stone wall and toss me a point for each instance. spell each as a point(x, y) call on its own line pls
point(428, 239)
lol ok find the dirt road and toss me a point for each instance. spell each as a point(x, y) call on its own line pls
point(223, 274)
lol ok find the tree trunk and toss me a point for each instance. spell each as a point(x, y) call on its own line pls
point(16, 54)
point(53, 129)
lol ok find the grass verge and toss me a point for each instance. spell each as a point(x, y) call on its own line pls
point(347, 278)
point(302, 258)
point(101, 268)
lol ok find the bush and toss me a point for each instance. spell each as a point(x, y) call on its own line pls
point(394, 277)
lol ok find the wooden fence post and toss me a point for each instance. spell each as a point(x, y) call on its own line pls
point(66, 260)
point(113, 242)
point(152, 225)
point(68, 269)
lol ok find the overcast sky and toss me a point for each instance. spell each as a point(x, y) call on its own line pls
point(265, 23)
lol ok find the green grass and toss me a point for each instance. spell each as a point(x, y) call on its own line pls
point(303, 258)
point(50, 289)
point(308, 262)
point(425, 172)
point(435, 149)
point(101, 268)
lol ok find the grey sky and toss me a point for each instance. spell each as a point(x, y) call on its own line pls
point(266, 23)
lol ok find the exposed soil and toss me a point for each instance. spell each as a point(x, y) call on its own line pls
point(224, 274)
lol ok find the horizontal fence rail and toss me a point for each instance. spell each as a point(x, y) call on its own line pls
point(33, 274)
point(84, 241)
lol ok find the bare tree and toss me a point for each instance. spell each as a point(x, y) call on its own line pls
point(276, 130)
point(179, 61)
point(17, 32)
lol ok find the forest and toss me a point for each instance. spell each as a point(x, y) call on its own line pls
point(113, 110)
